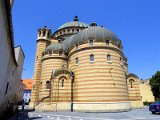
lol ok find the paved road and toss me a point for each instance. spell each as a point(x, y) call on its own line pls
point(137, 114)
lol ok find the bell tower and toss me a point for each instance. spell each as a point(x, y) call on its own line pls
point(43, 40)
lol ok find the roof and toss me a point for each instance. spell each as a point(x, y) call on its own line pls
point(75, 23)
point(92, 32)
point(54, 47)
point(28, 84)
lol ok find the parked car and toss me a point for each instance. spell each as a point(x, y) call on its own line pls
point(155, 107)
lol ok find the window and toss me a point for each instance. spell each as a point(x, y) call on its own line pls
point(50, 53)
point(77, 30)
point(72, 30)
point(77, 61)
point(60, 53)
point(36, 58)
point(42, 54)
point(48, 85)
point(44, 33)
point(48, 34)
point(107, 42)
point(68, 30)
point(108, 57)
point(39, 33)
point(76, 46)
point(62, 85)
point(91, 58)
point(131, 82)
point(119, 46)
point(64, 31)
point(60, 32)
point(7, 87)
point(91, 42)
point(121, 60)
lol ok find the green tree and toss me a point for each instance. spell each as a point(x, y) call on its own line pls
point(155, 85)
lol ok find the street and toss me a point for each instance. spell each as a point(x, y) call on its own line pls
point(137, 114)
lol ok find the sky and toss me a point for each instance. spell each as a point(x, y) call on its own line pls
point(135, 22)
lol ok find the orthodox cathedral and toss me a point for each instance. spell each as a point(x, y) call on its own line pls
point(82, 67)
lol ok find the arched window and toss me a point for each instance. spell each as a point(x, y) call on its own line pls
point(91, 42)
point(77, 61)
point(91, 58)
point(60, 32)
point(62, 85)
point(50, 53)
point(60, 53)
point(77, 30)
point(72, 30)
point(48, 85)
point(76, 46)
point(107, 42)
point(39, 33)
point(108, 57)
point(42, 54)
point(64, 31)
point(131, 82)
point(44, 33)
point(119, 46)
point(121, 60)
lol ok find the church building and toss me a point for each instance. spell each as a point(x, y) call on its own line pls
point(82, 68)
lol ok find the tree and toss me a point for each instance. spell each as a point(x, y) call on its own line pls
point(155, 85)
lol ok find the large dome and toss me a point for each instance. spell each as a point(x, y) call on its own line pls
point(75, 23)
point(92, 32)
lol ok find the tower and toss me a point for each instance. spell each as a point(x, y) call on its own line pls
point(43, 40)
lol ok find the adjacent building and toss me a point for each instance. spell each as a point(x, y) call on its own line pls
point(27, 90)
point(82, 67)
point(146, 92)
point(11, 60)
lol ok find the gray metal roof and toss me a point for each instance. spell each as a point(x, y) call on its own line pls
point(92, 32)
point(54, 47)
point(73, 24)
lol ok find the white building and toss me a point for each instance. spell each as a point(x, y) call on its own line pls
point(11, 60)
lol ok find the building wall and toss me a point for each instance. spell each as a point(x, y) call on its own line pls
point(18, 72)
point(50, 63)
point(10, 73)
point(99, 82)
point(6, 60)
point(145, 89)
point(43, 40)
point(134, 92)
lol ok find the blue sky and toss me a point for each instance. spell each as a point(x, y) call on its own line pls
point(135, 22)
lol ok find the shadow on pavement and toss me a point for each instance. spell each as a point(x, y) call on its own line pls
point(23, 115)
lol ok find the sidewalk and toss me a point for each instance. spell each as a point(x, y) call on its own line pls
point(22, 115)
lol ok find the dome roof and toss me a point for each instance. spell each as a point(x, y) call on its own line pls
point(55, 47)
point(75, 23)
point(94, 32)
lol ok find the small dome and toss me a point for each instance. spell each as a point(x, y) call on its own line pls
point(75, 23)
point(54, 47)
point(94, 32)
